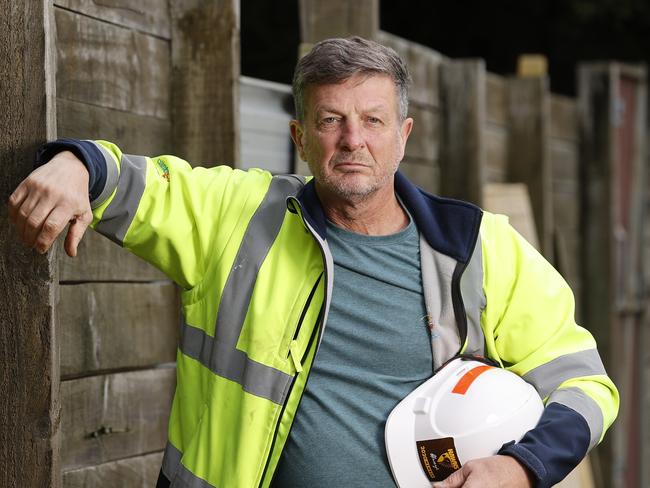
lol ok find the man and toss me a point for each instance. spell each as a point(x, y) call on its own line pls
point(357, 279)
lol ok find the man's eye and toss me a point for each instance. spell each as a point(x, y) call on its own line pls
point(374, 120)
point(328, 120)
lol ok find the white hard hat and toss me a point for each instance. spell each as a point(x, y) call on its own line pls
point(467, 410)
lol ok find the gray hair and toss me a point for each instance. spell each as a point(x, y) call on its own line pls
point(336, 60)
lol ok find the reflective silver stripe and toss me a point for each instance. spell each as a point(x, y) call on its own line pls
point(178, 475)
point(262, 230)
point(471, 286)
point(586, 406)
point(120, 212)
point(231, 363)
point(437, 270)
point(549, 376)
point(186, 479)
point(112, 176)
point(220, 353)
point(171, 461)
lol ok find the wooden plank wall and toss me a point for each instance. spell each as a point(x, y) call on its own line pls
point(496, 129)
point(421, 159)
point(563, 147)
point(118, 316)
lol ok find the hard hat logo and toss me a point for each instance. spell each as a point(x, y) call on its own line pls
point(438, 457)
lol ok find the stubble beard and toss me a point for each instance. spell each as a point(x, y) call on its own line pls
point(341, 186)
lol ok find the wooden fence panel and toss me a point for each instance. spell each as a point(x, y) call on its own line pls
point(528, 160)
point(109, 326)
point(423, 141)
point(102, 64)
point(462, 95)
point(111, 417)
point(564, 118)
point(135, 134)
point(338, 18)
point(422, 173)
point(148, 16)
point(496, 139)
point(496, 99)
point(137, 472)
point(205, 60)
point(99, 259)
point(424, 65)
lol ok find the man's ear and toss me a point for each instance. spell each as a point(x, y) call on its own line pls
point(297, 132)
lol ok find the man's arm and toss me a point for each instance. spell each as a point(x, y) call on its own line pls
point(159, 208)
point(530, 329)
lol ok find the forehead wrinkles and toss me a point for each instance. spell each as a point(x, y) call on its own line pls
point(337, 96)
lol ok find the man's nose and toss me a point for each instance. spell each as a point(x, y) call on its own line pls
point(351, 136)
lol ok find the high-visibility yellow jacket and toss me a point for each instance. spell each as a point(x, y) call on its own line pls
point(250, 252)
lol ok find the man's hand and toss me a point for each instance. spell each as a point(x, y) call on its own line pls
point(490, 472)
point(49, 198)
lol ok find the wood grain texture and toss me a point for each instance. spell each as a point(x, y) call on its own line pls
point(512, 199)
point(109, 326)
point(148, 16)
point(110, 417)
point(564, 118)
point(205, 82)
point(133, 133)
point(496, 99)
point(528, 153)
point(462, 155)
point(338, 18)
point(423, 143)
point(29, 375)
point(564, 157)
point(423, 64)
point(496, 152)
point(99, 259)
point(422, 173)
point(594, 90)
point(110, 66)
point(135, 472)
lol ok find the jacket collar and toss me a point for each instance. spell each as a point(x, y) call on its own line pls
point(449, 226)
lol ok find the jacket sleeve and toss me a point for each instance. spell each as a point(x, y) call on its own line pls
point(163, 210)
point(530, 329)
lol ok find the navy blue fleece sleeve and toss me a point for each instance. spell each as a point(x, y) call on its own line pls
point(89, 155)
point(553, 448)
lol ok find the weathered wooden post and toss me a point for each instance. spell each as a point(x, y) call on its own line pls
point(338, 18)
point(462, 147)
point(29, 377)
point(528, 150)
point(205, 80)
point(613, 123)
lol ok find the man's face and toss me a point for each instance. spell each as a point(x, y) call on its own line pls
point(352, 138)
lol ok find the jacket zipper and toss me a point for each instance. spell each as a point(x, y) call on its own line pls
point(314, 334)
point(319, 327)
point(294, 339)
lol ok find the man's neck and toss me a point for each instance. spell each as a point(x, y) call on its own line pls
point(375, 215)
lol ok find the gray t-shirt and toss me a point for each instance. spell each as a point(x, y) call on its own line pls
point(376, 349)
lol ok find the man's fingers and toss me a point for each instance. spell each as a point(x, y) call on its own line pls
point(15, 201)
point(38, 219)
point(50, 229)
point(455, 480)
point(24, 214)
point(75, 233)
